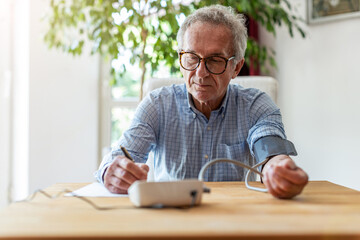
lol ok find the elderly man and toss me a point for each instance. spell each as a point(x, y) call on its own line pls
point(187, 125)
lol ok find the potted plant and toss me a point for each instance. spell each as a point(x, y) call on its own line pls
point(147, 29)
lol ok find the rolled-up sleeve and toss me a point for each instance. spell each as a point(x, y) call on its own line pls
point(267, 135)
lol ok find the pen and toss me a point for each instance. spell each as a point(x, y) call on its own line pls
point(126, 153)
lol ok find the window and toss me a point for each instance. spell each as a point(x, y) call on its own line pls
point(119, 101)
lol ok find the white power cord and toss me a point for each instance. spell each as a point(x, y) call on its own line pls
point(248, 175)
point(251, 169)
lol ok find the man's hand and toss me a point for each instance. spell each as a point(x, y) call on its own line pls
point(122, 173)
point(283, 178)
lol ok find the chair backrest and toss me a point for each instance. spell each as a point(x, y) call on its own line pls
point(266, 84)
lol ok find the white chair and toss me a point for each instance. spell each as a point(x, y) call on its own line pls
point(266, 84)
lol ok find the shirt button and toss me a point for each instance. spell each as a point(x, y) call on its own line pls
point(206, 156)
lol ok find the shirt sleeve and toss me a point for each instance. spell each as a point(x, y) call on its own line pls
point(99, 174)
point(267, 135)
point(139, 139)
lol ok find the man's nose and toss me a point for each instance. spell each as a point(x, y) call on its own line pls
point(202, 71)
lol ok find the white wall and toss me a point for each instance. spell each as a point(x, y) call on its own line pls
point(19, 143)
point(319, 96)
point(55, 107)
point(63, 111)
point(5, 80)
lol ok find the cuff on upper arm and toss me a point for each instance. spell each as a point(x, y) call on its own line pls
point(271, 146)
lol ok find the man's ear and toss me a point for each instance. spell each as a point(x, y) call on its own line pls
point(238, 67)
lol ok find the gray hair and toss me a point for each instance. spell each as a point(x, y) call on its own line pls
point(219, 15)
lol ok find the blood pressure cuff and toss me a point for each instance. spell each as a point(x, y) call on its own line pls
point(273, 145)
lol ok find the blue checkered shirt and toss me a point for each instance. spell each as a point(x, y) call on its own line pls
point(181, 139)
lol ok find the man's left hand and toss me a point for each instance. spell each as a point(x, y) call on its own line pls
point(283, 178)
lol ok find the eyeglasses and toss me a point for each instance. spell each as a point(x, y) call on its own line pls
point(214, 64)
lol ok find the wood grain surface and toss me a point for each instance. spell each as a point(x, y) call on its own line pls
point(323, 211)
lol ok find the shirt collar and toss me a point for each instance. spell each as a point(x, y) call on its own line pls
point(220, 110)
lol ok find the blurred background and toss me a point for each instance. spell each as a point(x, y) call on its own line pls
point(71, 75)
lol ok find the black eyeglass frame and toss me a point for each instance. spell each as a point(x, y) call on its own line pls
point(205, 59)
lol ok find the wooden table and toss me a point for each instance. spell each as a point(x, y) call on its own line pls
point(323, 211)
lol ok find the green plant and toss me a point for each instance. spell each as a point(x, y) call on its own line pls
point(147, 28)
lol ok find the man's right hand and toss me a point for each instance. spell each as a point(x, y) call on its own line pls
point(122, 173)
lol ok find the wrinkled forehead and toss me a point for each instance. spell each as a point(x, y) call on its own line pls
point(207, 38)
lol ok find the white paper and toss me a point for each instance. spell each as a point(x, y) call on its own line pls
point(94, 190)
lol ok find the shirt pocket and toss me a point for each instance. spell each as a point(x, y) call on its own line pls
point(227, 171)
point(236, 151)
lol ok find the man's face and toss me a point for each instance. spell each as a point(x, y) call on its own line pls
point(209, 40)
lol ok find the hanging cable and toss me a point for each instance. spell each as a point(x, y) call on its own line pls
point(250, 169)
